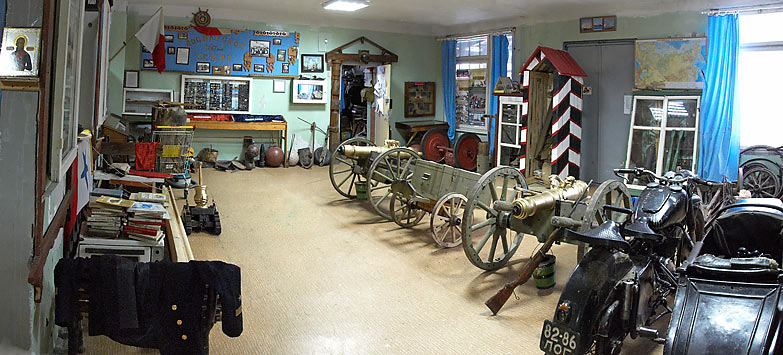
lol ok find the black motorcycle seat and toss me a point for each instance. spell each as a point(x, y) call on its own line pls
point(606, 235)
point(640, 228)
point(758, 269)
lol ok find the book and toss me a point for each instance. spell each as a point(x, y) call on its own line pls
point(147, 208)
point(98, 192)
point(147, 238)
point(146, 222)
point(139, 230)
point(148, 197)
point(114, 201)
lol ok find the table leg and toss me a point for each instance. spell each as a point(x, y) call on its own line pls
point(413, 135)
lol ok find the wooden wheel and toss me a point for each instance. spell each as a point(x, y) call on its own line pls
point(392, 165)
point(446, 219)
point(759, 179)
point(610, 192)
point(404, 210)
point(344, 170)
point(486, 237)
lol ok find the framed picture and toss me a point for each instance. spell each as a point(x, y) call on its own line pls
point(277, 41)
point(312, 63)
point(258, 68)
point(183, 55)
point(202, 67)
point(281, 55)
point(148, 63)
point(217, 70)
point(171, 50)
point(132, 79)
point(309, 92)
point(285, 68)
point(278, 86)
point(182, 35)
point(238, 67)
point(586, 25)
point(169, 38)
point(259, 48)
point(609, 23)
point(19, 55)
point(226, 70)
point(597, 24)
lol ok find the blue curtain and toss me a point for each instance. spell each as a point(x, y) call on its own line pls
point(499, 64)
point(448, 69)
point(719, 138)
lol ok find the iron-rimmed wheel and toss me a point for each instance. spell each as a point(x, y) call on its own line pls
point(483, 223)
point(466, 151)
point(392, 165)
point(760, 179)
point(343, 170)
point(446, 220)
point(612, 193)
point(431, 143)
point(404, 210)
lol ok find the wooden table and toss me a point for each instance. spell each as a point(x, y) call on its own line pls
point(280, 127)
point(416, 127)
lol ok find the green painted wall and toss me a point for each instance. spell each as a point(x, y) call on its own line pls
point(553, 34)
point(419, 60)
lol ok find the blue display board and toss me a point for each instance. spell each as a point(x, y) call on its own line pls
point(228, 52)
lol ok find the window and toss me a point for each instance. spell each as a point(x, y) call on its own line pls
point(663, 134)
point(473, 86)
point(761, 52)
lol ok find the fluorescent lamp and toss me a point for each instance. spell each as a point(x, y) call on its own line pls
point(345, 5)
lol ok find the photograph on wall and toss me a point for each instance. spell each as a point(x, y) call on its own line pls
point(277, 41)
point(312, 63)
point(258, 68)
point(281, 55)
point(182, 35)
point(183, 55)
point(168, 38)
point(598, 24)
point(19, 55)
point(586, 24)
point(237, 67)
point(259, 48)
point(310, 92)
point(171, 50)
point(226, 70)
point(285, 68)
point(148, 63)
point(202, 67)
point(609, 23)
point(132, 79)
point(217, 70)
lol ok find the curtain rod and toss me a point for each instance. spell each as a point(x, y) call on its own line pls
point(500, 31)
point(744, 9)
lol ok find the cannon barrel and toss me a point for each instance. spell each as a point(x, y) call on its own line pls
point(355, 151)
point(561, 190)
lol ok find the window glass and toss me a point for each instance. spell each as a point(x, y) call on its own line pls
point(678, 150)
point(681, 113)
point(761, 28)
point(649, 113)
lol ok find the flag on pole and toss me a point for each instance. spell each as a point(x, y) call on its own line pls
point(151, 36)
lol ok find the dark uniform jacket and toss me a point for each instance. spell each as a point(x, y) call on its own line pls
point(162, 305)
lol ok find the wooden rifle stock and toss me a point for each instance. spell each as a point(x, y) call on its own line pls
point(496, 302)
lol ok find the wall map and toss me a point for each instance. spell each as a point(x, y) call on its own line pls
point(209, 50)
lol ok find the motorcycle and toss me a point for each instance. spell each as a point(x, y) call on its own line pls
point(728, 297)
point(620, 287)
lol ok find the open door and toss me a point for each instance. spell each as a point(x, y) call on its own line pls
point(380, 128)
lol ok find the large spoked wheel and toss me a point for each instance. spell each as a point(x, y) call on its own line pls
point(446, 220)
point(759, 179)
point(392, 165)
point(610, 192)
point(404, 210)
point(486, 237)
point(344, 171)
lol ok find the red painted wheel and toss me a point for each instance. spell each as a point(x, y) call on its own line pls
point(431, 142)
point(466, 151)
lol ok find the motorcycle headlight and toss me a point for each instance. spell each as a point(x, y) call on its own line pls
point(563, 312)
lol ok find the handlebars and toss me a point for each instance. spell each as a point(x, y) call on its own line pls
point(677, 179)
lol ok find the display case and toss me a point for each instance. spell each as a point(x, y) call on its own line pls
point(508, 145)
point(216, 94)
point(139, 102)
point(419, 99)
point(308, 91)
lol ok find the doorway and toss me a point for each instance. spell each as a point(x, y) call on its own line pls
point(610, 68)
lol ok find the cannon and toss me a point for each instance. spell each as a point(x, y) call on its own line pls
point(501, 208)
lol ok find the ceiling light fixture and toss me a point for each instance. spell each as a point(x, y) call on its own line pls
point(345, 5)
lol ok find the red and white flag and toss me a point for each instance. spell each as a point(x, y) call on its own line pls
point(151, 36)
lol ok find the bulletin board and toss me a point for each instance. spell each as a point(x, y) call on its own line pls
point(227, 52)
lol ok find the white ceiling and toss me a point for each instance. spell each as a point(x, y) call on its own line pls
point(429, 17)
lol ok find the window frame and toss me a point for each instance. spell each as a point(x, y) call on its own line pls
point(663, 129)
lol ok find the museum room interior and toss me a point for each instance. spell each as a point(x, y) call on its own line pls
point(384, 177)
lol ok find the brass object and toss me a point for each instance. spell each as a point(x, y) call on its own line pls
point(184, 337)
point(559, 190)
point(179, 321)
point(355, 151)
point(173, 307)
point(200, 198)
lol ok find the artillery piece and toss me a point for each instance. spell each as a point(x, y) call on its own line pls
point(501, 209)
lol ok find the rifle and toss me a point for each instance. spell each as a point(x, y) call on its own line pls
point(496, 302)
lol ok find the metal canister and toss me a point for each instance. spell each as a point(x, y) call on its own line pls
point(544, 274)
point(361, 190)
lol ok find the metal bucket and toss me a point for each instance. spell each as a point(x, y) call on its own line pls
point(544, 274)
point(361, 190)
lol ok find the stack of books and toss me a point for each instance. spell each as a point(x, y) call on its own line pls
point(107, 216)
point(146, 221)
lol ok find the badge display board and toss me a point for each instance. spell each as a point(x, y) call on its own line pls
point(228, 52)
point(219, 95)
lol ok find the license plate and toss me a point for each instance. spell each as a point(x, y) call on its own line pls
point(558, 340)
